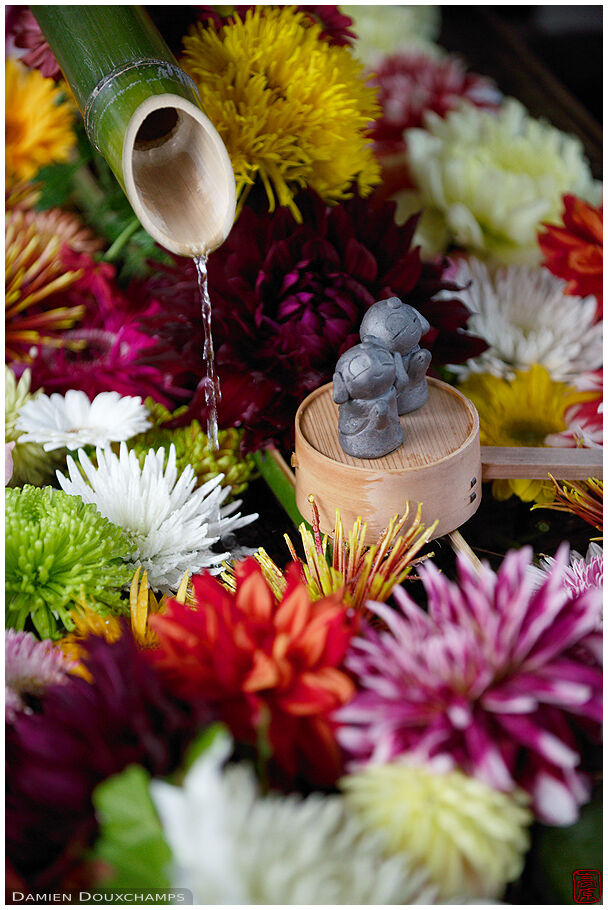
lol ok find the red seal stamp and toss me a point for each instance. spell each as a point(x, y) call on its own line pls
point(586, 886)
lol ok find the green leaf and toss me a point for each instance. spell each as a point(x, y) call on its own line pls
point(558, 852)
point(202, 742)
point(281, 485)
point(57, 184)
point(131, 839)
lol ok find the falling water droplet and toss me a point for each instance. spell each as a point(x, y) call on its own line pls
point(212, 388)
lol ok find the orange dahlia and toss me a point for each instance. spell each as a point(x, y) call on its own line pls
point(575, 251)
point(271, 667)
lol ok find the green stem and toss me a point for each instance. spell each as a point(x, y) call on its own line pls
point(282, 487)
point(86, 192)
point(122, 240)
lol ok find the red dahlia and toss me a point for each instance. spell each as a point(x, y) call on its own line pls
point(574, 251)
point(268, 668)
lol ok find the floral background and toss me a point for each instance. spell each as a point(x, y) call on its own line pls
point(190, 701)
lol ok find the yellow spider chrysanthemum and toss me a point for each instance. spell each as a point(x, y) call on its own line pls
point(38, 123)
point(292, 109)
point(521, 412)
point(470, 838)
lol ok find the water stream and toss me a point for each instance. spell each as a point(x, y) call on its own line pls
point(212, 386)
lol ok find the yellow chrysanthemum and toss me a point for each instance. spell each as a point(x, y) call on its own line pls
point(142, 603)
point(38, 122)
point(521, 412)
point(470, 838)
point(292, 109)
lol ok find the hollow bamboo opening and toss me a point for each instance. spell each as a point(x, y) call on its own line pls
point(178, 175)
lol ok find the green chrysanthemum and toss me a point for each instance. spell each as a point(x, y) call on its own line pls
point(58, 549)
point(31, 464)
point(192, 448)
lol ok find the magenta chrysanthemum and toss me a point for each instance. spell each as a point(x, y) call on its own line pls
point(494, 677)
point(582, 573)
point(30, 666)
point(288, 299)
point(107, 351)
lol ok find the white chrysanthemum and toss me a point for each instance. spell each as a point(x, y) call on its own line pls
point(171, 525)
point(232, 846)
point(384, 31)
point(71, 420)
point(487, 181)
point(31, 464)
point(526, 318)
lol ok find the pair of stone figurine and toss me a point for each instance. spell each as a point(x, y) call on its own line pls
point(381, 378)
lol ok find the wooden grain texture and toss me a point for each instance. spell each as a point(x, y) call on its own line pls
point(534, 464)
point(438, 465)
point(431, 433)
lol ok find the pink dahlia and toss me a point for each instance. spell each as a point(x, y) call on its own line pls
point(411, 83)
point(30, 666)
point(288, 299)
point(497, 677)
point(107, 351)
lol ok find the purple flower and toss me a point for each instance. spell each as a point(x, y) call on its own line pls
point(497, 676)
point(84, 733)
point(107, 351)
point(29, 667)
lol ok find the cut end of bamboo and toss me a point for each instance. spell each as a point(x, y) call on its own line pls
point(178, 176)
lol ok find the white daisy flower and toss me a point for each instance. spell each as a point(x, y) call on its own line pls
point(526, 318)
point(72, 421)
point(232, 846)
point(171, 525)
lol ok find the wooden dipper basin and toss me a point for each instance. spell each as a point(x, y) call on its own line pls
point(439, 465)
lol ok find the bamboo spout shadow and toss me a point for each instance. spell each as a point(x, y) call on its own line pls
point(143, 113)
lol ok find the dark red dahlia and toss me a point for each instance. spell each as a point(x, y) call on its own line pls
point(336, 27)
point(85, 733)
point(25, 32)
point(288, 299)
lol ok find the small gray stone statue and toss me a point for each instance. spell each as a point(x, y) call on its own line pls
point(398, 327)
point(365, 389)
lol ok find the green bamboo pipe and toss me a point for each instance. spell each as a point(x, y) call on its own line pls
point(143, 113)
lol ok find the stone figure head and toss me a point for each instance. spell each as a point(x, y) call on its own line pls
point(365, 371)
point(394, 324)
